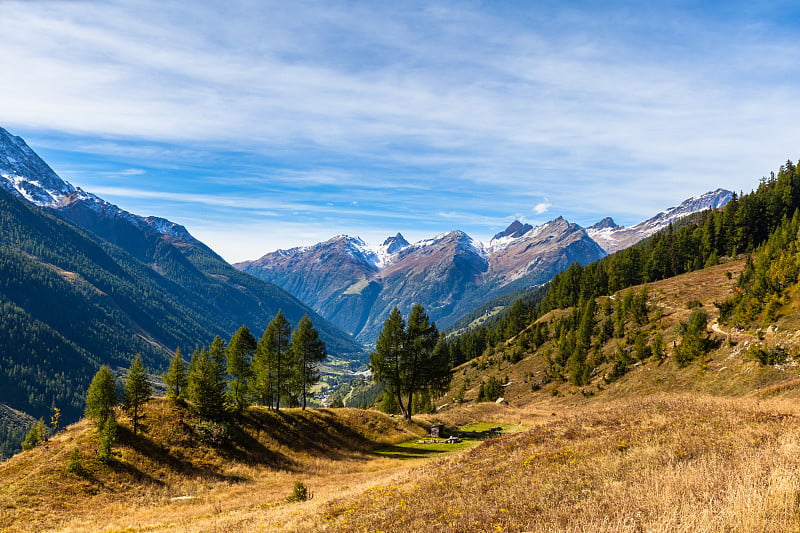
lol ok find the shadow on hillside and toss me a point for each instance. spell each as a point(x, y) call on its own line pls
point(162, 455)
point(243, 447)
point(316, 433)
point(407, 452)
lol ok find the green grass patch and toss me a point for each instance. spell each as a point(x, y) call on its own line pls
point(471, 435)
point(413, 449)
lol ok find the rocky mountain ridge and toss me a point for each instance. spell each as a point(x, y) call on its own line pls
point(355, 286)
point(612, 237)
point(188, 268)
point(449, 274)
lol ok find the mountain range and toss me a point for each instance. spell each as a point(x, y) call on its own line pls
point(355, 286)
point(85, 283)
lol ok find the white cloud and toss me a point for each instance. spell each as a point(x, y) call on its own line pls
point(542, 207)
point(389, 106)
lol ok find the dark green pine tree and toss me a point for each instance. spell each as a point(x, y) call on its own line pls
point(138, 391)
point(387, 359)
point(406, 359)
point(239, 354)
point(219, 365)
point(176, 378)
point(205, 390)
point(272, 362)
point(307, 351)
point(101, 397)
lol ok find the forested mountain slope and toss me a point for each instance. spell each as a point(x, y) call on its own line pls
point(72, 299)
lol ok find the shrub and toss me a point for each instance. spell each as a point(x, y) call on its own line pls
point(299, 493)
point(75, 465)
point(774, 356)
point(212, 432)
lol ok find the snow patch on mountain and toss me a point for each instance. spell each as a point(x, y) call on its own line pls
point(613, 238)
point(360, 251)
point(457, 236)
point(387, 252)
point(517, 232)
point(26, 175)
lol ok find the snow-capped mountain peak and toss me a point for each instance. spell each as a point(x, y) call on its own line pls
point(25, 174)
point(613, 238)
point(360, 251)
point(388, 251)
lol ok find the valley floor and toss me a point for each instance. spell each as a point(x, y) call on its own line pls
point(658, 463)
point(661, 463)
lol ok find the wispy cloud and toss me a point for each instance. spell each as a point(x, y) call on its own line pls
point(465, 113)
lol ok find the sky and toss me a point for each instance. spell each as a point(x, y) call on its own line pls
point(262, 125)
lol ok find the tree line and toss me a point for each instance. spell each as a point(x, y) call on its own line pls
point(278, 369)
point(218, 381)
point(761, 224)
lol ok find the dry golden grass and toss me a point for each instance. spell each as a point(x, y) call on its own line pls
point(666, 463)
point(714, 446)
point(170, 480)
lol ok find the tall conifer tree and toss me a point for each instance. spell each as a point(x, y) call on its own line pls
point(272, 361)
point(176, 378)
point(101, 397)
point(240, 351)
point(410, 360)
point(137, 391)
point(307, 350)
point(205, 390)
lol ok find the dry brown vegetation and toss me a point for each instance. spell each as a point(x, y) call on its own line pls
point(176, 477)
point(714, 446)
point(665, 463)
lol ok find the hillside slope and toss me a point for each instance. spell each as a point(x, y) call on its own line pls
point(183, 474)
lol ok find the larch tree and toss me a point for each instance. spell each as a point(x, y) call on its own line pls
point(176, 378)
point(205, 390)
point(272, 361)
point(307, 351)
point(101, 397)
point(216, 353)
point(239, 354)
point(386, 361)
point(138, 391)
point(410, 359)
point(430, 361)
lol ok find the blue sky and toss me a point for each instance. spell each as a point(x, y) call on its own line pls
point(262, 125)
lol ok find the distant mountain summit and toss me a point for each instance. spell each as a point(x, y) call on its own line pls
point(449, 274)
point(606, 223)
point(514, 230)
point(613, 238)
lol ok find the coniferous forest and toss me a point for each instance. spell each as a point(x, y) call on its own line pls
point(72, 301)
point(762, 225)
